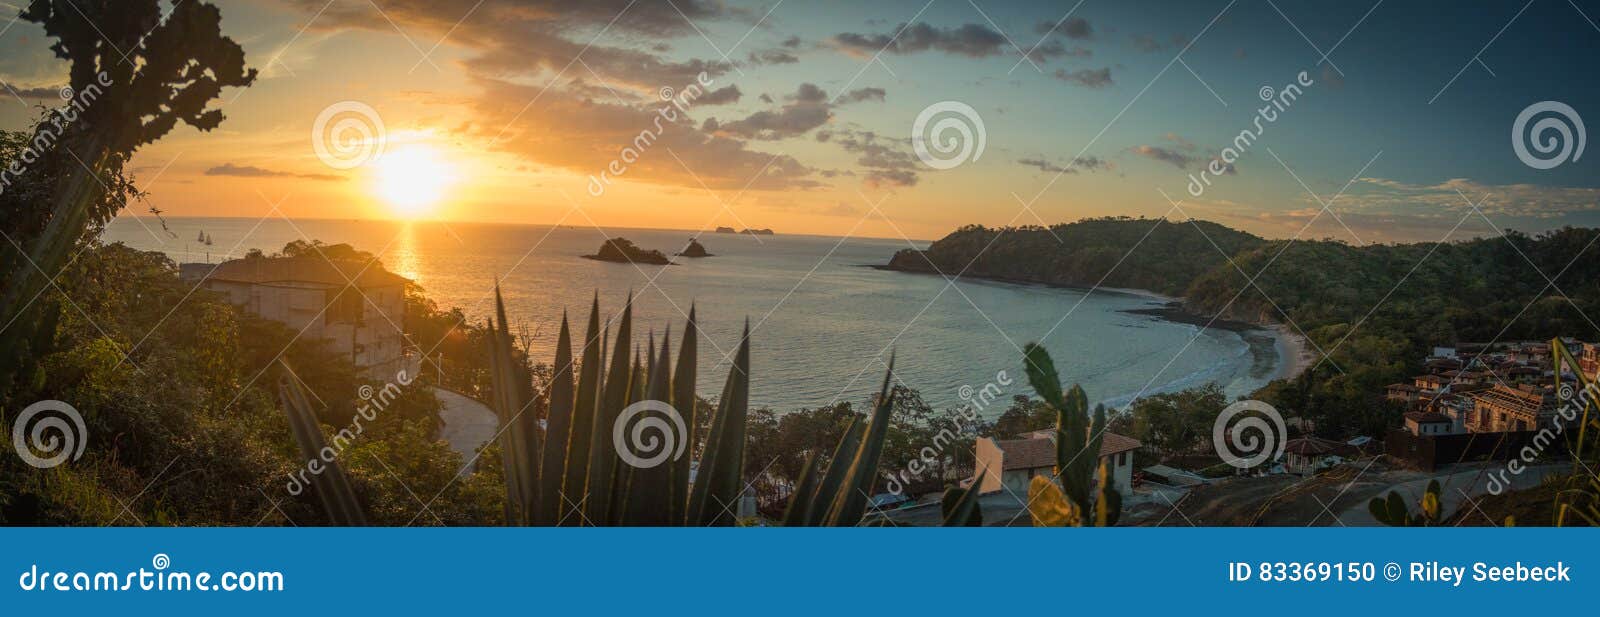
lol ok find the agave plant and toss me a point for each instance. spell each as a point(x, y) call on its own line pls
point(1085, 495)
point(572, 472)
point(331, 484)
point(576, 475)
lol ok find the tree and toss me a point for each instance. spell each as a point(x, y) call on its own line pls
point(135, 75)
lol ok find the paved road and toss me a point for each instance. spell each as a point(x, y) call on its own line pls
point(1455, 487)
point(468, 424)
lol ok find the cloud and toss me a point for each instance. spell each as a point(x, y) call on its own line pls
point(247, 171)
point(1085, 162)
point(1165, 155)
point(513, 48)
point(806, 109)
point(1520, 200)
point(863, 94)
point(585, 135)
point(1072, 27)
point(722, 96)
point(44, 93)
point(1088, 78)
point(971, 40)
point(888, 162)
point(1146, 43)
point(793, 42)
point(528, 37)
point(773, 56)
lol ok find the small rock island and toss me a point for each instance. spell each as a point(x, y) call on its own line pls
point(695, 249)
point(751, 231)
point(622, 250)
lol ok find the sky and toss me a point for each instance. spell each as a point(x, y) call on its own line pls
point(804, 116)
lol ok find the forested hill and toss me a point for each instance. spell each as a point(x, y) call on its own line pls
point(1079, 254)
point(1425, 293)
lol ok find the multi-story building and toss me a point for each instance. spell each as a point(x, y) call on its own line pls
point(1505, 408)
point(357, 309)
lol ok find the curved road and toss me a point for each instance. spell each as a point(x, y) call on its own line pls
point(468, 424)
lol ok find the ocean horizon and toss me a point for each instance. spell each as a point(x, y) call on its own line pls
point(824, 321)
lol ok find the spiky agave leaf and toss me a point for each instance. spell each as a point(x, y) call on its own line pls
point(852, 502)
point(575, 473)
point(558, 427)
point(794, 515)
point(650, 491)
point(687, 404)
point(717, 483)
point(960, 505)
point(831, 489)
point(602, 453)
point(520, 439)
point(332, 485)
point(622, 478)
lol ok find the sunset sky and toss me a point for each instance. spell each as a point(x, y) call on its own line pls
point(502, 110)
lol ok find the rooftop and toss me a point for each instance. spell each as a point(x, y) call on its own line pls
point(1038, 448)
point(283, 270)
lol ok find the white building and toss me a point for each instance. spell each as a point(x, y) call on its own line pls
point(1012, 463)
point(358, 310)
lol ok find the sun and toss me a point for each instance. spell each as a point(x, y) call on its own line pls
point(413, 179)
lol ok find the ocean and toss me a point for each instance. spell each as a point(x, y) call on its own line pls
point(823, 322)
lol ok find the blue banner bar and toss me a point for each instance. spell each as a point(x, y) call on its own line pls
point(791, 571)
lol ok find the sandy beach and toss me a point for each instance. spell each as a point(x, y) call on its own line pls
point(1294, 352)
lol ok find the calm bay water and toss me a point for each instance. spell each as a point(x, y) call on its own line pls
point(823, 325)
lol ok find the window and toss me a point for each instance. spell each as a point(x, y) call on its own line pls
point(344, 306)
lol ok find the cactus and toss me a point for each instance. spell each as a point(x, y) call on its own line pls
point(1079, 500)
point(1393, 511)
point(960, 505)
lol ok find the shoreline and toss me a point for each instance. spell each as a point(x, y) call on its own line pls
point(1289, 352)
